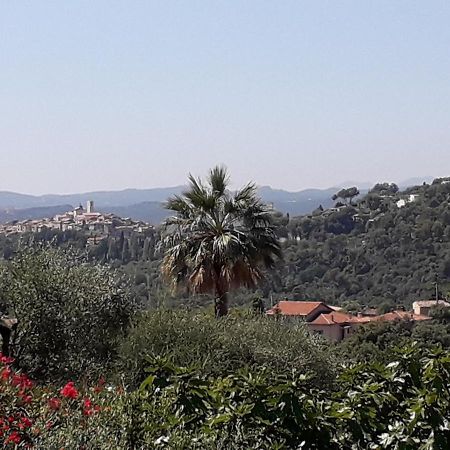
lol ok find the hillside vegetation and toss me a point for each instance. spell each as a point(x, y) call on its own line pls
point(364, 252)
point(372, 252)
point(89, 367)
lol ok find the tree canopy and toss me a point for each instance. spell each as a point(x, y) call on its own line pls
point(347, 194)
point(218, 240)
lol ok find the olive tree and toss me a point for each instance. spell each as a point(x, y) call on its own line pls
point(71, 314)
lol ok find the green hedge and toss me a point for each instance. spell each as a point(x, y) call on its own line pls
point(404, 405)
point(220, 347)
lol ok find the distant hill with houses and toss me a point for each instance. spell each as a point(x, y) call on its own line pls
point(147, 204)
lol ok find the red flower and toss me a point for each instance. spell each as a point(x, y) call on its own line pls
point(6, 373)
point(87, 407)
point(54, 403)
point(6, 359)
point(14, 438)
point(26, 422)
point(15, 381)
point(26, 383)
point(22, 381)
point(26, 399)
point(69, 390)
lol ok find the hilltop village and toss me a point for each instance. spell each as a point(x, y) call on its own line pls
point(97, 224)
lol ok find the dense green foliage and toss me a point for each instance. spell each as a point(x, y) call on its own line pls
point(379, 341)
point(369, 253)
point(404, 405)
point(244, 381)
point(71, 314)
point(222, 347)
point(372, 252)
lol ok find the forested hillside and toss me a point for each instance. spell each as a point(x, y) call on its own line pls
point(373, 251)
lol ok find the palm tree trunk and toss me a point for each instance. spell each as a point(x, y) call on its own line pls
point(221, 303)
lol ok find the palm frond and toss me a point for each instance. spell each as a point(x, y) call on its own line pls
point(218, 240)
point(218, 180)
point(247, 194)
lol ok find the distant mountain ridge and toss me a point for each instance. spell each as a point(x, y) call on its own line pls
point(124, 197)
point(130, 197)
point(39, 212)
point(147, 204)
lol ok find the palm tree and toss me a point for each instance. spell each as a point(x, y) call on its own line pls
point(218, 240)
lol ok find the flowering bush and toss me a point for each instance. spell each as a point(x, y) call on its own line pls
point(15, 401)
point(33, 416)
point(404, 405)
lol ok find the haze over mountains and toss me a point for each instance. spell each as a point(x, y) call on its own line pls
point(147, 204)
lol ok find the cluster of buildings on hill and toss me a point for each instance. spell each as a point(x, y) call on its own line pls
point(335, 324)
point(80, 219)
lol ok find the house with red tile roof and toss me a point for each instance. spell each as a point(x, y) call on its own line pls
point(307, 311)
point(335, 325)
point(332, 323)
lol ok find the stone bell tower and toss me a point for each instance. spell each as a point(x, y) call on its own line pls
point(90, 206)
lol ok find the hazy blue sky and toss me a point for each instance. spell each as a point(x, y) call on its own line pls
point(115, 94)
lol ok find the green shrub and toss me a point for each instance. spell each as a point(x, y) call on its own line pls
point(71, 314)
point(223, 346)
point(404, 405)
point(379, 341)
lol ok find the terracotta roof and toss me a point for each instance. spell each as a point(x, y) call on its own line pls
point(399, 315)
point(365, 319)
point(295, 308)
point(337, 317)
point(334, 318)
